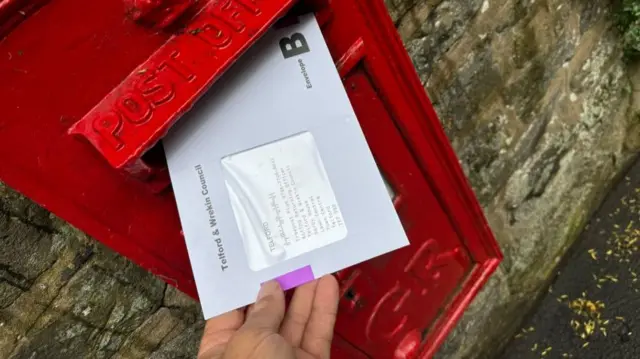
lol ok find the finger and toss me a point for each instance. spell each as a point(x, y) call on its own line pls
point(268, 311)
point(319, 330)
point(249, 310)
point(218, 332)
point(298, 313)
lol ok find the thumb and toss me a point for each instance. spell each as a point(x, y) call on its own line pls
point(268, 311)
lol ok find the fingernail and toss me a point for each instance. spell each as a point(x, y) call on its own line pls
point(268, 288)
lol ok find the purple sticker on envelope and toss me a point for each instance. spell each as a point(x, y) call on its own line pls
point(295, 278)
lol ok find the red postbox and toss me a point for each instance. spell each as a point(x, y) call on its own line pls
point(88, 89)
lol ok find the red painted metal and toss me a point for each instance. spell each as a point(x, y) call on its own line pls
point(401, 305)
point(157, 13)
point(136, 114)
point(12, 12)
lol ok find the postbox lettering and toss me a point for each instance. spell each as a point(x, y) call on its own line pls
point(134, 108)
point(151, 98)
point(214, 35)
point(157, 91)
point(174, 64)
point(233, 11)
point(294, 45)
point(108, 126)
point(391, 302)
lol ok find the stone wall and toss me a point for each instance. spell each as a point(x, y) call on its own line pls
point(539, 106)
point(543, 114)
point(64, 295)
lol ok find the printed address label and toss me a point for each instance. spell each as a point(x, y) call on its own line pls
point(282, 200)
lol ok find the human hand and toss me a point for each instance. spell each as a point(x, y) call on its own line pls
point(305, 331)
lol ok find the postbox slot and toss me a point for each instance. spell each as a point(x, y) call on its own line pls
point(390, 190)
point(155, 162)
point(155, 157)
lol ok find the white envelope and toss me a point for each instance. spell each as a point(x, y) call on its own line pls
point(273, 177)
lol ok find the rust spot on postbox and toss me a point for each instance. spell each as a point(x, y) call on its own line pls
point(139, 111)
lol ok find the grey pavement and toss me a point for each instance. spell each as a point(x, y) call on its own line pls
point(592, 308)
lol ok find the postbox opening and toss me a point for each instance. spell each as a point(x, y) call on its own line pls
point(155, 157)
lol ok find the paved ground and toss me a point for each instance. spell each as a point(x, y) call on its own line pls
point(592, 309)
